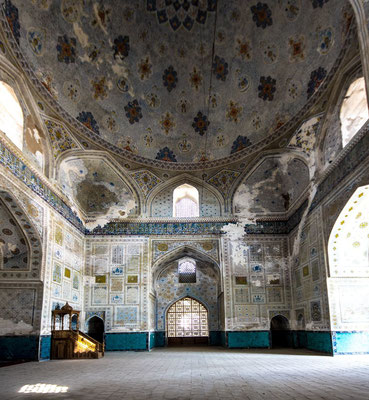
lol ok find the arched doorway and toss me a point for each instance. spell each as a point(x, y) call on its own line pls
point(280, 332)
point(187, 322)
point(96, 329)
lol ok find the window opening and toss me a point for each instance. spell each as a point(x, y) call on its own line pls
point(348, 290)
point(11, 115)
point(187, 318)
point(354, 110)
point(186, 271)
point(348, 245)
point(186, 202)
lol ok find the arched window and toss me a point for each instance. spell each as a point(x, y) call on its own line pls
point(11, 115)
point(349, 240)
point(354, 110)
point(186, 202)
point(187, 270)
point(187, 318)
point(348, 287)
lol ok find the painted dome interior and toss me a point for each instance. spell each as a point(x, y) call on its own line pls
point(186, 80)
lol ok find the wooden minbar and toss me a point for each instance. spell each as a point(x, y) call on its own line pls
point(67, 341)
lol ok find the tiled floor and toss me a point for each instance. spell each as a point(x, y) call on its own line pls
point(190, 373)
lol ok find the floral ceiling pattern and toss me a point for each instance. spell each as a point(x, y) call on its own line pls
point(144, 75)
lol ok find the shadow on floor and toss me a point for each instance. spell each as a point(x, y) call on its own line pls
point(13, 362)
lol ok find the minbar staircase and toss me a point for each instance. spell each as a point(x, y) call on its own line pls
point(67, 344)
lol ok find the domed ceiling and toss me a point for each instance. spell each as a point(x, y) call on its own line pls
point(185, 80)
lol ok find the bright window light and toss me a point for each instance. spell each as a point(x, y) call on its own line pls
point(187, 318)
point(354, 110)
point(186, 266)
point(43, 388)
point(187, 270)
point(186, 202)
point(11, 115)
point(349, 240)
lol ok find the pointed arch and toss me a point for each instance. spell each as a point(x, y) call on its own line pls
point(21, 285)
point(354, 110)
point(186, 201)
point(187, 317)
point(95, 327)
point(284, 156)
point(363, 36)
point(11, 115)
point(30, 235)
point(348, 245)
point(77, 157)
point(181, 252)
point(348, 281)
point(36, 144)
point(202, 187)
point(329, 143)
point(192, 296)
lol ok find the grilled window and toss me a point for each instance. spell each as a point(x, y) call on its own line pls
point(187, 318)
point(187, 271)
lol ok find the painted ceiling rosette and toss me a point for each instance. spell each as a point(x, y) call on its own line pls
point(144, 75)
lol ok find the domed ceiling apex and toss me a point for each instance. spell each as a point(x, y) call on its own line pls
point(181, 81)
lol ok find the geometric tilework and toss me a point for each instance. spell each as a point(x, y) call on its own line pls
point(223, 180)
point(146, 181)
point(17, 304)
point(59, 137)
point(19, 261)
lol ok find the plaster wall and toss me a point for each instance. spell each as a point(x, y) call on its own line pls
point(257, 282)
point(308, 269)
point(116, 283)
point(65, 262)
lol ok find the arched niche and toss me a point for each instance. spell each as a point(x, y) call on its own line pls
point(178, 253)
point(11, 115)
point(14, 245)
point(96, 328)
point(348, 245)
point(96, 185)
point(20, 240)
point(27, 134)
point(348, 282)
point(21, 275)
point(280, 332)
point(330, 142)
point(274, 184)
point(167, 287)
point(354, 110)
point(160, 201)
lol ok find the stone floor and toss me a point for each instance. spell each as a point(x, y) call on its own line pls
point(192, 373)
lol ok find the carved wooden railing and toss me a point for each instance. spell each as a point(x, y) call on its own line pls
point(86, 340)
point(74, 344)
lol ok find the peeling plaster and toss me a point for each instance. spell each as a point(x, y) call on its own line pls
point(98, 18)
point(114, 213)
point(9, 327)
point(95, 187)
point(81, 35)
point(271, 187)
point(236, 234)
